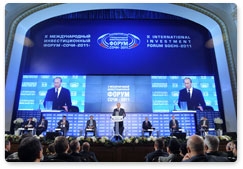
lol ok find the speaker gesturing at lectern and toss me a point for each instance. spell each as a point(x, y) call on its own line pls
point(118, 111)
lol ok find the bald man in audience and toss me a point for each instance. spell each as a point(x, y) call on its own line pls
point(195, 149)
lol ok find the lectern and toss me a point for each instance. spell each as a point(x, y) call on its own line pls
point(116, 119)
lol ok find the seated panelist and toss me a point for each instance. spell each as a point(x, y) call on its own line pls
point(90, 125)
point(147, 125)
point(63, 124)
point(42, 126)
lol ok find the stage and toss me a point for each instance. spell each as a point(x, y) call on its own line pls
point(188, 122)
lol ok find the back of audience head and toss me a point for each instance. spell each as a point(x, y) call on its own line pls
point(75, 146)
point(195, 145)
point(173, 146)
point(85, 146)
point(61, 145)
point(51, 149)
point(211, 143)
point(30, 150)
point(159, 144)
point(24, 136)
point(183, 149)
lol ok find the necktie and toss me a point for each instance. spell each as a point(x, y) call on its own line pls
point(188, 93)
point(56, 93)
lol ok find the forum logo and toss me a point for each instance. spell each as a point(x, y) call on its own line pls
point(118, 41)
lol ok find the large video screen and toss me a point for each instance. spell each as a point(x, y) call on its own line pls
point(101, 93)
point(112, 47)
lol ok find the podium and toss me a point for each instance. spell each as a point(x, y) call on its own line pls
point(116, 119)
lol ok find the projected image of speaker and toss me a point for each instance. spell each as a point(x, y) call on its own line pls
point(52, 135)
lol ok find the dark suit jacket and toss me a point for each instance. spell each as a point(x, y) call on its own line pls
point(207, 124)
point(177, 124)
point(197, 158)
point(195, 100)
point(155, 154)
point(88, 156)
point(32, 123)
point(45, 124)
point(121, 113)
point(63, 157)
point(63, 99)
point(148, 126)
point(66, 125)
point(88, 123)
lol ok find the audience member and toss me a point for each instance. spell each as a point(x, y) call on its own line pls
point(233, 149)
point(183, 149)
point(211, 145)
point(63, 124)
point(174, 125)
point(146, 125)
point(75, 148)
point(30, 150)
point(50, 153)
point(62, 148)
point(7, 148)
point(195, 148)
point(158, 151)
point(42, 126)
point(86, 154)
point(173, 149)
point(14, 156)
point(229, 148)
point(90, 124)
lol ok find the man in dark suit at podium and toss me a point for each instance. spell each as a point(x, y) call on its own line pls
point(192, 96)
point(119, 112)
point(60, 96)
